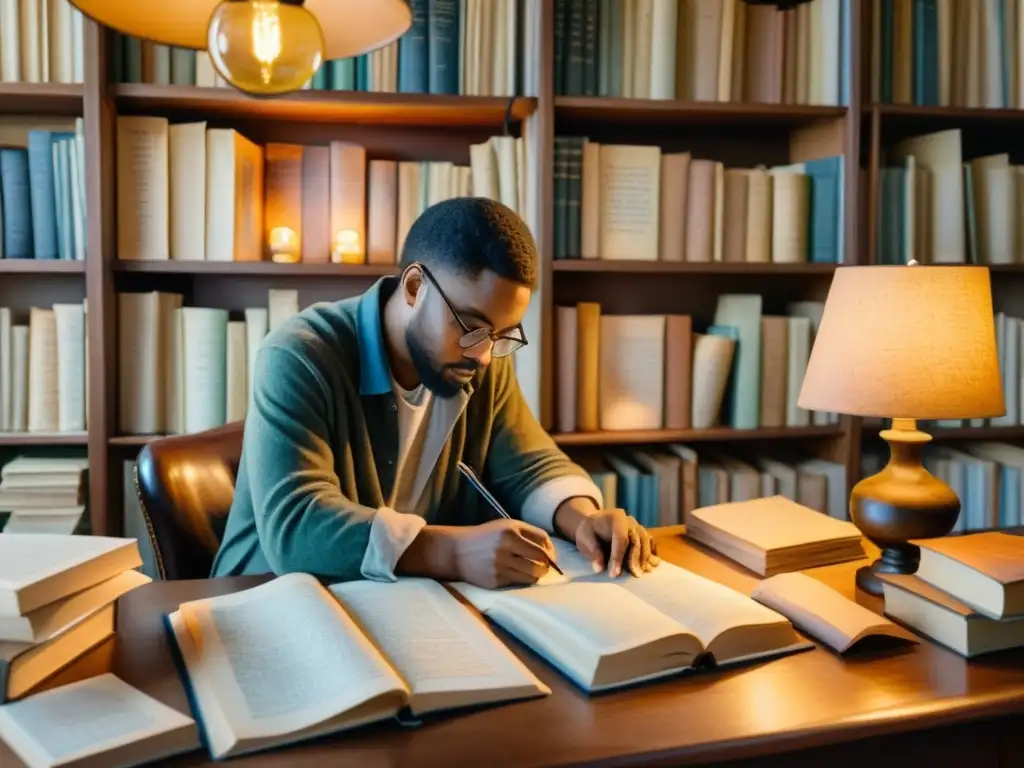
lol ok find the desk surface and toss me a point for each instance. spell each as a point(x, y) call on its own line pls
point(805, 700)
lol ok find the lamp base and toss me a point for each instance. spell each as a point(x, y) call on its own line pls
point(896, 559)
point(901, 503)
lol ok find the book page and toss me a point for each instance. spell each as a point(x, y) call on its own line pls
point(701, 605)
point(92, 717)
point(705, 607)
point(579, 626)
point(434, 643)
point(277, 659)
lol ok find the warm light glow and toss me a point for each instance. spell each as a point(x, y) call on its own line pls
point(262, 47)
point(265, 47)
point(348, 249)
point(284, 245)
point(266, 36)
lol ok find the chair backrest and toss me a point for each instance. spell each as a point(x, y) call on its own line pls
point(185, 485)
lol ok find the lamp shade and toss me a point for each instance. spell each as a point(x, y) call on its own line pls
point(910, 342)
point(350, 27)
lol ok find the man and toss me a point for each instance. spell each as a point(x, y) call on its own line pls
point(362, 409)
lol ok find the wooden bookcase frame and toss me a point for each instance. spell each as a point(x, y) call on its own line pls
point(411, 126)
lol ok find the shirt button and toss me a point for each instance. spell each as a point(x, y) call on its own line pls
point(391, 462)
point(394, 406)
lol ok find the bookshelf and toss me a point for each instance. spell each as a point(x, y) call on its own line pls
point(413, 127)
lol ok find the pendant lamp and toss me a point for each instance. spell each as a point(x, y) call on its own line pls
point(262, 47)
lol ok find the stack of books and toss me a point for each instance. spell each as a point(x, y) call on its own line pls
point(57, 599)
point(967, 594)
point(43, 495)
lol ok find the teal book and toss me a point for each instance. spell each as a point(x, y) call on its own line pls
point(742, 314)
point(413, 58)
point(729, 406)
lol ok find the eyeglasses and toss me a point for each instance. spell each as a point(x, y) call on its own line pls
point(501, 344)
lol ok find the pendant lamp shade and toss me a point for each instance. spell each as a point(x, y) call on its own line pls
point(350, 27)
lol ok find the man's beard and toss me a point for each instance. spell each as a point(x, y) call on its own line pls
point(431, 372)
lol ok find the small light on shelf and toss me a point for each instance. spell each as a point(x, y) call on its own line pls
point(347, 247)
point(284, 245)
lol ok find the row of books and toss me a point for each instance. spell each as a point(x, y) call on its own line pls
point(464, 47)
point(936, 207)
point(41, 42)
point(987, 476)
point(662, 485)
point(43, 370)
point(946, 53)
point(42, 191)
point(192, 192)
point(705, 50)
point(653, 371)
point(186, 369)
point(636, 202)
point(42, 494)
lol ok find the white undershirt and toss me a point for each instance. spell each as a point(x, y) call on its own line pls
point(413, 407)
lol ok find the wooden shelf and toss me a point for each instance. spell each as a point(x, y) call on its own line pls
point(42, 438)
point(712, 113)
point(41, 267)
point(41, 99)
point(128, 441)
point(404, 109)
point(692, 435)
point(267, 268)
point(1016, 432)
point(897, 112)
point(709, 268)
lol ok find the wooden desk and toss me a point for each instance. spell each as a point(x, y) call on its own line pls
point(926, 706)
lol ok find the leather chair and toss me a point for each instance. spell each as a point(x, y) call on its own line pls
point(185, 484)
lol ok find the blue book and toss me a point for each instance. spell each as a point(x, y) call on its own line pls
point(413, 61)
point(42, 191)
point(443, 46)
point(15, 198)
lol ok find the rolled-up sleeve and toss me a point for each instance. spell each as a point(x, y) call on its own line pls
point(391, 533)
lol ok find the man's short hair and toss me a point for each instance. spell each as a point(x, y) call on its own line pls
point(471, 234)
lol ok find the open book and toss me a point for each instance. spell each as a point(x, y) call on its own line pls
point(94, 723)
point(822, 612)
point(291, 659)
point(605, 633)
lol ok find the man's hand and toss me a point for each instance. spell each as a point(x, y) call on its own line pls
point(609, 538)
point(501, 553)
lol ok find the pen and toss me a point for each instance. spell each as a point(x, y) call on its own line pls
point(470, 475)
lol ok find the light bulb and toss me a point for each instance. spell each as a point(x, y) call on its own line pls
point(265, 47)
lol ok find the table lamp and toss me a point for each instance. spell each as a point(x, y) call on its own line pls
point(906, 343)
